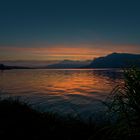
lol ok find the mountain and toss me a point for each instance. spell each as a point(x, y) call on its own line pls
point(116, 60)
point(69, 64)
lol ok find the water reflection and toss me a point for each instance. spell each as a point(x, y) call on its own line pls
point(60, 89)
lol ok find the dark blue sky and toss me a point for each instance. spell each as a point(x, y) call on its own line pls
point(25, 22)
point(59, 21)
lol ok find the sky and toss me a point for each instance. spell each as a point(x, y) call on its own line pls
point(68, 29)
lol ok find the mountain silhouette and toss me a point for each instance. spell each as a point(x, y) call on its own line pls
point(116, 60)
point(69, 64)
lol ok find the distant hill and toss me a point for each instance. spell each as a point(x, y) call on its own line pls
point(5, 67)
point(69, 64)
point(116, 60)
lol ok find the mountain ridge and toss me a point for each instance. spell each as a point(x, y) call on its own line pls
point(113, 60)
point(116, 60)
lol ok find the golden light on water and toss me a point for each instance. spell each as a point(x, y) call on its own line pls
point(59, 90)
point(57, 82)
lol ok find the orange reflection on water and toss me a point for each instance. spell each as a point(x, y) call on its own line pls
point(58, 82)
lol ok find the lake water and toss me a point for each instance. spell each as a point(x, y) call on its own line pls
point(71, 91)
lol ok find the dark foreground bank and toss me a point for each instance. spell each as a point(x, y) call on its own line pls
point(20, 121)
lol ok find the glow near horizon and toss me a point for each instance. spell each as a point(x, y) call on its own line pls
point(61, 51)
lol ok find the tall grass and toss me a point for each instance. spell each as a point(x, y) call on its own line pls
point(124, 103)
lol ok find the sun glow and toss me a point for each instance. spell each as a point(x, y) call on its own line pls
point(61, 52)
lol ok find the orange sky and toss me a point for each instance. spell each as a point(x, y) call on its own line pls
point(64, 51)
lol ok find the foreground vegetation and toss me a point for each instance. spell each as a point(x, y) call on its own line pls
point(19, 121)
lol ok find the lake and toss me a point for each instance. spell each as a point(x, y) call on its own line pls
point(70, 91)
